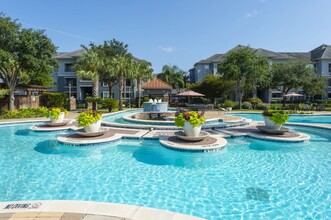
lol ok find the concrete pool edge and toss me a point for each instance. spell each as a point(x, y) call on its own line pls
point(120, 211)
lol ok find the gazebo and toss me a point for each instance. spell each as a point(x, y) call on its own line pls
point(157, 88)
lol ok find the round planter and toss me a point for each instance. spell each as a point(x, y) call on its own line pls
point(189, 130)
point(270, 125)
point(59, 119)
point(94, 127)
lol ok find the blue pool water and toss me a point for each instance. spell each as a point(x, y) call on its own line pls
point(250, 179)
point(319, 119)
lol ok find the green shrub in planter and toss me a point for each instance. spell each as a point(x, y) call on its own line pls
point(229, 104)
point(277, 117)
point(86, 118)
point(194, 118)
point(55, 112)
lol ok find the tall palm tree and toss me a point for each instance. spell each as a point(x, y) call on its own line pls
point(141, 71)
point(121, 66)
point(87, 67)
point(173, 75)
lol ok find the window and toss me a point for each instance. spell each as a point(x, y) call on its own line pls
point(105, 94)
point(127, 95)
point(315, 67)
point(128, 82)
point(68, 67)
point(71, 81)
point(104, 84)
point(206, 67)
point(329, 67)
point(276, 95)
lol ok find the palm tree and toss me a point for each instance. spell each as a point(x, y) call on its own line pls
point(141, 71)
point(173, 75)
point(121, 67)
point(87, 67)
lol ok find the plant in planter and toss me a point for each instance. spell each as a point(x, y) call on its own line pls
point(56, 114)
point(228, 104)
point(275, 119)
point(90, 120)
point(191, 122)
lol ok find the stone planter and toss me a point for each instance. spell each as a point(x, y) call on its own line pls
point(59, 119)
point(189, 130)
point(270, 125)
point(94, 127)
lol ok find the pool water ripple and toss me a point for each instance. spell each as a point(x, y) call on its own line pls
point(250, 179)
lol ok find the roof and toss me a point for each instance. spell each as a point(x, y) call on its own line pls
point(156, 83)
point(81, 52)
point(321, 52)
point(216, 58)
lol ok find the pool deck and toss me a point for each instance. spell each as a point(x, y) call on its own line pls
point(83, 210)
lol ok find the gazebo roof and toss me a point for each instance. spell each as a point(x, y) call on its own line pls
point(156, 83)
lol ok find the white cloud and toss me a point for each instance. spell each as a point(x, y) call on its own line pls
point(251, 14)
point(167, 49)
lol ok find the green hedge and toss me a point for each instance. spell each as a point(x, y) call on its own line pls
point(23, 113)
point(55, 99)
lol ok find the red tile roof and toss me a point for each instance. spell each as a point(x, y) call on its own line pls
point(156, 84)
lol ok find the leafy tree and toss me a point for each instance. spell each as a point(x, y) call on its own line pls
point(214, 87)
point(174, 76)
point(315, 85)
point(141, 71)
point(247, 69)
point(290, 75)
point(24, 54)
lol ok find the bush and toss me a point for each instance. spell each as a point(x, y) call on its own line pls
point(229, 104)
point(24, 113)
point(255, 102)
point(109, 103)
point(261, 106)
point(246, 105)
point(55, 99)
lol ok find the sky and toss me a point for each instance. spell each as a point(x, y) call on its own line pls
point(178, 32)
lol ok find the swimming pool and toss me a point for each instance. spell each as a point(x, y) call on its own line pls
point(317, 119)
point(250, 179)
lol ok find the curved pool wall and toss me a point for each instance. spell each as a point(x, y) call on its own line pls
point(122, 120)
point(284, 181)
point(296, 118)
point(155, 106)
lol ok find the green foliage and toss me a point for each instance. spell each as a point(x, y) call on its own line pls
point(110, 104)
point(194, 118)
point(3, 92)
point(25, 54)
point(277, 117)
point(24, 113)
point(93, 99)
point(55, 112)
point(261, 106)
point(229, 104)
point(55, 99)
point(314, 85)
point(174, 76)
point(255, 102)
point(247, 105)
point(214, 87)
point(246, 68)
point(86, 118)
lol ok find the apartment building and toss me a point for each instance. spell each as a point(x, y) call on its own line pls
point(319, 57)
point(65, 80)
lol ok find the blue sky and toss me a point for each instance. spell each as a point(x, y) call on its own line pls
point(179, 32)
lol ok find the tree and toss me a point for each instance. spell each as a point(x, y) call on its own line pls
point(120, 65)
point(214, 87)
point(290, 75)
point(247, 69)
point(24, 54)
point(107, 52)
point(315, 85)
point(141, 71)
point(174, 76)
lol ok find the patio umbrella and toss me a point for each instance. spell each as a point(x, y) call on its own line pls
point(293, 94)
point(189, 94)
